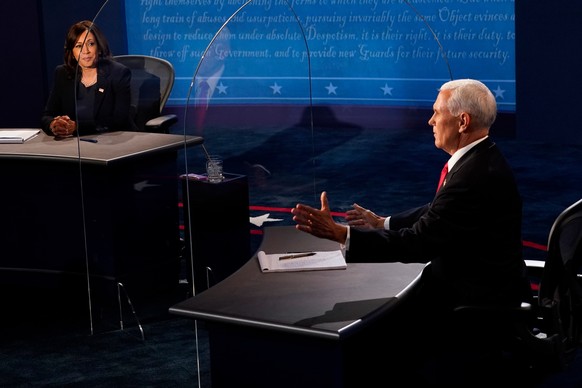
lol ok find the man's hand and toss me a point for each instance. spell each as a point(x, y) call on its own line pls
point(319, 223)
point(364, 218)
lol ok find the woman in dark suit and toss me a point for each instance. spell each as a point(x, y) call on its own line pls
point(470, 233)
point(91, 92)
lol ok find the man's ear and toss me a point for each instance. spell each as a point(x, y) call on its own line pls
point(464, 120)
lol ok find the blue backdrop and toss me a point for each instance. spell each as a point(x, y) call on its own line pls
point(356, 52)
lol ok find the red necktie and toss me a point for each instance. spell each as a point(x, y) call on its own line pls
point(444, 172)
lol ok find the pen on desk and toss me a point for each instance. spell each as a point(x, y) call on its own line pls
point(89, 140)
point(296, 256)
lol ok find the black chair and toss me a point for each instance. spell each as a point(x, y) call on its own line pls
point(542, 335)
point(560, 290)
point(152, 80)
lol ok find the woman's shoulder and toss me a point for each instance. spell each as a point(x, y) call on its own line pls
point(61, 69)
point(62, 73)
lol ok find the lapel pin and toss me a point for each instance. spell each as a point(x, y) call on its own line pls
point(101, 90)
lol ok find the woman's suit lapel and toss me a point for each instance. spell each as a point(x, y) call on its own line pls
point(103, 84)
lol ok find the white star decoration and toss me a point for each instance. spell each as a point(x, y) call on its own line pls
point(276, 88)
point(260, 220)
point(387, 89)
point(139, 186)
point(221, 88)
point(331, 89)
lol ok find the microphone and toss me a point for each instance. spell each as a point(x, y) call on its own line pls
point(79, 148)
point(79, 57)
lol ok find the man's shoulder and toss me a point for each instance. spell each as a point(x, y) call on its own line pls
point(480, 150)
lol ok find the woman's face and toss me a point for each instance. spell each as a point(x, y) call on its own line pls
point(85, 50)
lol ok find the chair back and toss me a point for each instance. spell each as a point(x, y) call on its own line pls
point(152, 80)
point(560, 294)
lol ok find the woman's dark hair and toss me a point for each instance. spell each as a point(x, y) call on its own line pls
point(73, 35)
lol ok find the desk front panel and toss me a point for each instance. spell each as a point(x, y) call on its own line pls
point(123, 218)
point(301, 329)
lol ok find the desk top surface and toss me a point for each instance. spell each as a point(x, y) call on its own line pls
point(328, 304)
point(110, 146)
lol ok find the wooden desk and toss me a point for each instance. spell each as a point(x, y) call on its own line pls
point(107, 209)
point(296, 329)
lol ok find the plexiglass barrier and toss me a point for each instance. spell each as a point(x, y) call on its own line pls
point(258, 92)
point(262, 98)
point(276, 160)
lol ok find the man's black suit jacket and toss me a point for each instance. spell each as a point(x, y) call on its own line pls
point(470, 233)
point(112, 98)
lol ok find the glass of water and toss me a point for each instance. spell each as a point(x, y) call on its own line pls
point(214, 169)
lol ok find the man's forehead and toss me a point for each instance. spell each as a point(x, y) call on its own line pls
point(442, 98)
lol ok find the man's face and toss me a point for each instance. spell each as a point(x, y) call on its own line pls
point(445, 126)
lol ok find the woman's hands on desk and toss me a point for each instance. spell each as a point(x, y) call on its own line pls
point(63, 126)
point(319, 223)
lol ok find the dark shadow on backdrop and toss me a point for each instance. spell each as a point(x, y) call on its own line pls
point(296, 147)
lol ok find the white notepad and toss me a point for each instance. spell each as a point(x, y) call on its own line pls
point(19, 135)
point(319, 260)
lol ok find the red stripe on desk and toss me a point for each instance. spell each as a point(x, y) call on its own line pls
point(287, 210)
point(271, 209)
point(534, 286)
point(527, 244)
point(534, 245)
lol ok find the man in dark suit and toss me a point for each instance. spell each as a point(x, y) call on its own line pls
point(470, 232)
